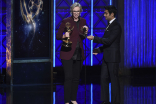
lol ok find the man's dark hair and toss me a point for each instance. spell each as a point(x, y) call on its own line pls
point(111, 9)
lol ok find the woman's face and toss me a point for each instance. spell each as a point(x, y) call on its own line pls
point(76, 12)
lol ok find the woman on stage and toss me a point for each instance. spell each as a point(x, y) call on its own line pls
point(71, 32)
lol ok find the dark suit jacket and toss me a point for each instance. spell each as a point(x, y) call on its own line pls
point(111, 42)
point(67, 53)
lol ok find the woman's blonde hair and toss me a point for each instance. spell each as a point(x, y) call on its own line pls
point(76, 4)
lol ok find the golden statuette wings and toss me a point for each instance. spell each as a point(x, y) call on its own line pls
point(22, 13)
point(28, 16)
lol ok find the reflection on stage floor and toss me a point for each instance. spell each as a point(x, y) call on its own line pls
point(133, 91)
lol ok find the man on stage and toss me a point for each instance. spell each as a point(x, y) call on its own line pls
point(111, 56)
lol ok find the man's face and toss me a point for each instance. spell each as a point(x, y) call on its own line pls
point(76, 12)
point(107, 15)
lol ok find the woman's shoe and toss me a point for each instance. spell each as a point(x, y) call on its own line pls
point(71, 103)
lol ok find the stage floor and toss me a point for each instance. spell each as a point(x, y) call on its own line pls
point(133, 90)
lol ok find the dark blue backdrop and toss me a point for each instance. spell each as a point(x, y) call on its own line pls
point(140, 33)
point(139, 30)
point(2, 35)
point(93, 11)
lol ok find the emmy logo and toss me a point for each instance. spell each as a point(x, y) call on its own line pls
point(33, 8)
point(66, 41)
point(29, 11)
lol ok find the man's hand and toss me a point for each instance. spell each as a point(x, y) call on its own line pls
point(90, 37)
point(95, 51)
point(86, 32)
point(66, 35)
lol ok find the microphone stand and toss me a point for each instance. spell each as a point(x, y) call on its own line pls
point(85, 70)
point(85, 35)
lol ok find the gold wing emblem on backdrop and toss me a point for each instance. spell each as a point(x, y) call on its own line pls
point(22, 13)
point(28, 16)
point(39, 6)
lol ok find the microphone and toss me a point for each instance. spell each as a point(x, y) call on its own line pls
point(83, 33)
point(84, 30)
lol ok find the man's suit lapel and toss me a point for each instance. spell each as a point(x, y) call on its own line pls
point(110, 26)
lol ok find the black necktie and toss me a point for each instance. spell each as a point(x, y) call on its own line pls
point(107, 25)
